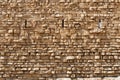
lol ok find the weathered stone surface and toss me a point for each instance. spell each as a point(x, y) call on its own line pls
point(59, 39)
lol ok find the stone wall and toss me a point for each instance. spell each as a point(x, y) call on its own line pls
point(59, 39)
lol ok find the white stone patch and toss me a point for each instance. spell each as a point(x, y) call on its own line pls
point(117, 40)
point(80, 79)
point(97, 78)
point(109, 78)
point(58, 15)
point(35, 69)
point(92, 79)
point(19, 15)
point(63, 79)
point(70, 57)
point(94, 0)
point(9, 63)
point(118, 78)
point(97, 57)
point(1, 57)
point(62, 1)
point(10, 31)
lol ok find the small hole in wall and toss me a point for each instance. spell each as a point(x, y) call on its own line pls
point(100, 23)
point(25, 23)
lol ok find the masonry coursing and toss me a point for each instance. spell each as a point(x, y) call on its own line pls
point(59, 39)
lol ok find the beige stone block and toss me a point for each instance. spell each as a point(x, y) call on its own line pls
point(61, 0)
point(117, 40)
point(97, 57)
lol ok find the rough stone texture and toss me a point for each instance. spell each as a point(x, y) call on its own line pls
point(59, 39)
